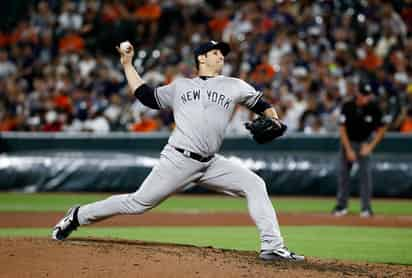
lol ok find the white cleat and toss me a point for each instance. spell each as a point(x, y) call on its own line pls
point(339, 211)
point(366, 213)
point(66, 225)
point(281, 253)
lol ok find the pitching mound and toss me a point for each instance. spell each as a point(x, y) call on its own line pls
point(40, 257)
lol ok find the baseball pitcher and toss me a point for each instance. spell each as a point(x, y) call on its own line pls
point(202, 107)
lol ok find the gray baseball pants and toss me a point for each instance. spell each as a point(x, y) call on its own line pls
point(365, 175)
point(173, 172)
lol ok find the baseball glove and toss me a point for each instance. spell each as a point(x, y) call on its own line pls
point(265, 130)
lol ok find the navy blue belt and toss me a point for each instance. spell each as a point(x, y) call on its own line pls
point(194, 156)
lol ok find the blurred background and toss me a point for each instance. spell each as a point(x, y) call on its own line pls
point(68, 121)
point(59, 70)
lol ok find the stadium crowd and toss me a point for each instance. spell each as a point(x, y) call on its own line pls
point(59, 70)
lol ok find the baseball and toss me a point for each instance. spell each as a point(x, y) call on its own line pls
point(125, 47)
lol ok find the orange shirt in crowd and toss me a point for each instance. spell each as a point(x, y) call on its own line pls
point(24, 33)
point(71, 42)
point(145, 125)
point(263, 73)
point(111, 12)
point(4, 39)
point(8, 124)
point(406, 126)
point(62, 102)
point(371, 61)
point(218, 24)
point(149, 12)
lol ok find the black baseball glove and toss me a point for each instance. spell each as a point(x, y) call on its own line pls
point(265, 129)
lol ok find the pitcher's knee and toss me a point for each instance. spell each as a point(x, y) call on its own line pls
point(256, 187)
point(261, 184)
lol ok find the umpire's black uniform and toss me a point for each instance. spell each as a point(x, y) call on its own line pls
point(360, 118)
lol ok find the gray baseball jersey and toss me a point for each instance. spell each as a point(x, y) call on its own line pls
point(202, 110)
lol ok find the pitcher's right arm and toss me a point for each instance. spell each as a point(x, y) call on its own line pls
point(144, 93)
point(126, 59)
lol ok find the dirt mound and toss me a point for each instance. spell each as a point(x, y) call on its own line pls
point(40, 257)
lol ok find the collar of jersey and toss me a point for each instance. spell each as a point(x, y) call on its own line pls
point(205, 77)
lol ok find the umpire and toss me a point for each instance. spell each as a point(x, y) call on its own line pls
point(361, 128)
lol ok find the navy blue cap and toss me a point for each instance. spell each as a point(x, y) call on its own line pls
point(207, 46)
point(365, 88)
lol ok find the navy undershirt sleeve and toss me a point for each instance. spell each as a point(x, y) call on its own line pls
point(146, 95)
point(260, 106)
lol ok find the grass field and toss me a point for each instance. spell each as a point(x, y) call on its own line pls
point(388, 245)
point(61, 202)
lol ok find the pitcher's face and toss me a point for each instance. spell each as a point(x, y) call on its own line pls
point(213, 60)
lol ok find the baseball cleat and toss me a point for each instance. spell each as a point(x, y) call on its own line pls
point(281, 253)
point(66, 225)
point(339, 211)
point(366, 213)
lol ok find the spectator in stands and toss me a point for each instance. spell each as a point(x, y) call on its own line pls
point(7, 67)
point(291, 50)
point(314, 126)
point(52, 122)
point(406, 126)
point(97, 123)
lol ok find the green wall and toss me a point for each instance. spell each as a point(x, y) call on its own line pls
point(119, 162)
